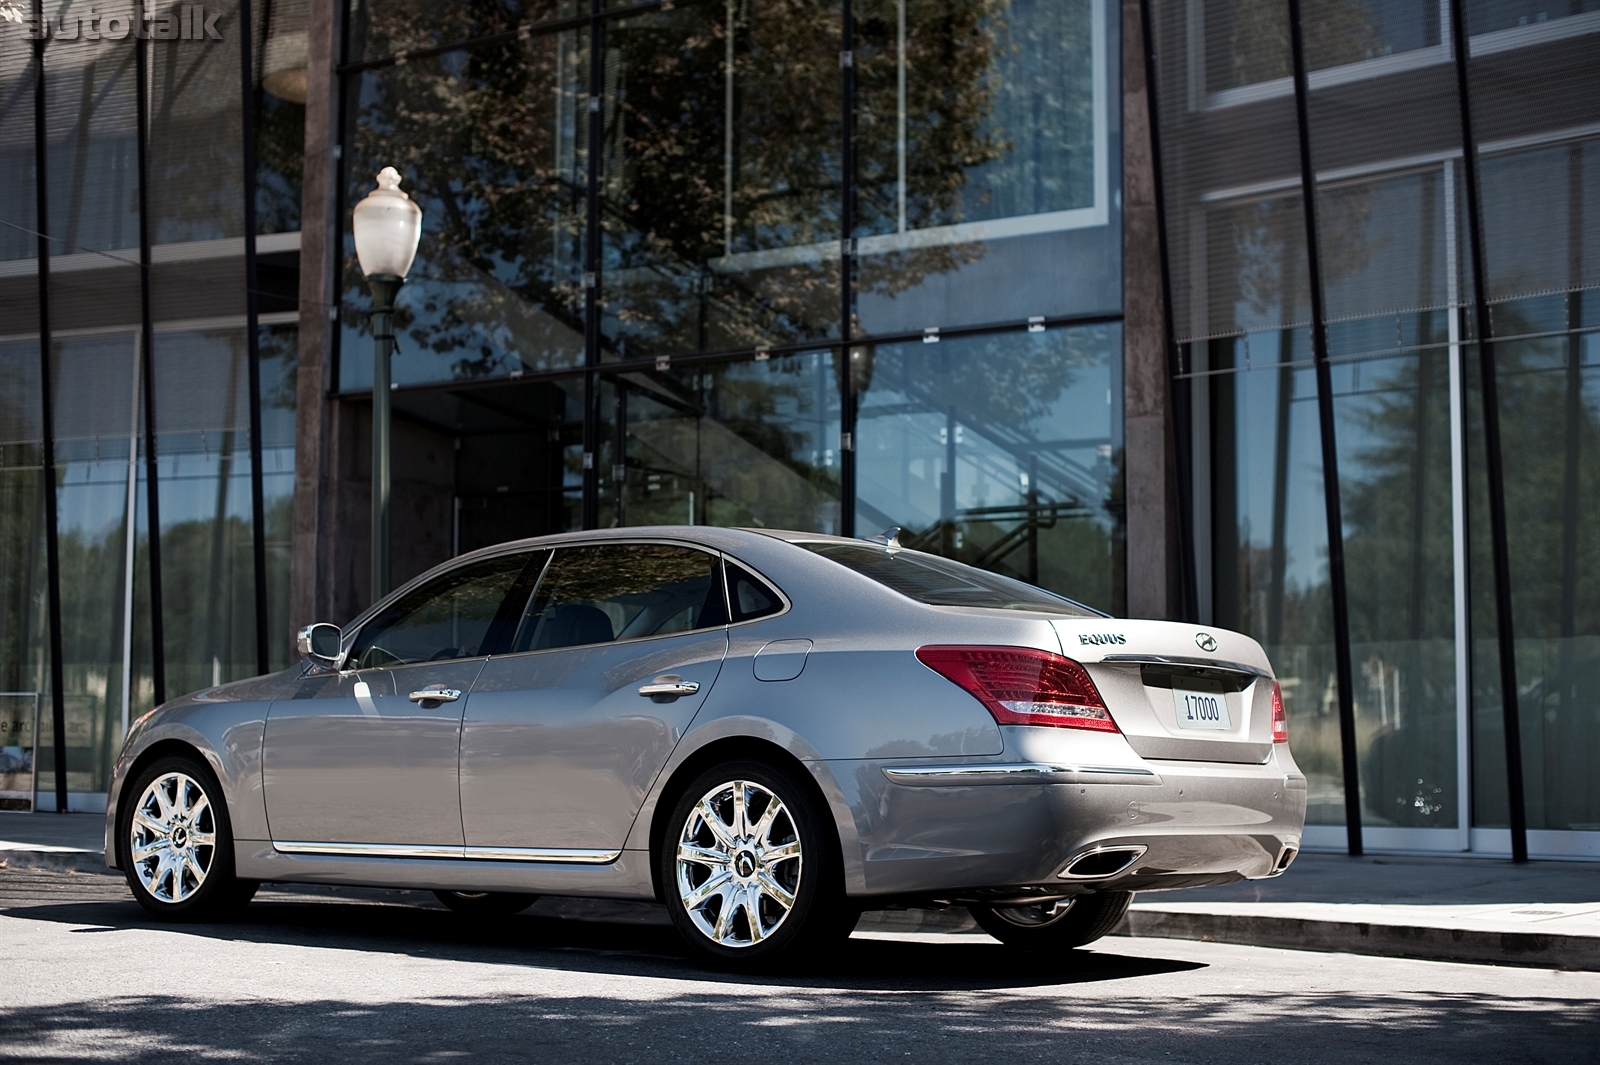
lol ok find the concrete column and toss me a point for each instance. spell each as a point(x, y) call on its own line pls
point(311, 562)
point(1151, 492)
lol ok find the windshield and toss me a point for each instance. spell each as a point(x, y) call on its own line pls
point(940, 582)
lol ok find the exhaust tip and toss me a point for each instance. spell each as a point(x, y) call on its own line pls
point(1285, 860)
point(1102, 862)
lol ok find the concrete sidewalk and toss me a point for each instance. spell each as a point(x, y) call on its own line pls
point(69, 842)
point(1460, 909)
point(1545, 914)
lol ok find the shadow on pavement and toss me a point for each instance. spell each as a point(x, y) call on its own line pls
point(966, 963)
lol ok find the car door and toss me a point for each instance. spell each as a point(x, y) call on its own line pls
point(365, 760)
point(563, 737)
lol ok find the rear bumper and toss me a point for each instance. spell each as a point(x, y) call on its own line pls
point(981, 829)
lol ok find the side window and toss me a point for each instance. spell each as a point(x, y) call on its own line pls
point(464, 613)
point(620, 592)
point(749, 598)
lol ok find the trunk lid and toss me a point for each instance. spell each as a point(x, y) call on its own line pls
point(1178, 691)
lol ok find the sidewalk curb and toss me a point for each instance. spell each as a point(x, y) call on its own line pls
point(60, 860)
point(1545, 951)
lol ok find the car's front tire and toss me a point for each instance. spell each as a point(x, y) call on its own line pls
point(176, 843)
point(750, 868)
point(485, 903)
point(1057, 925)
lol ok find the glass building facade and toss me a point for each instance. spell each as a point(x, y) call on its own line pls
point(835, 265)
point(148, 341)
point(1455, 195)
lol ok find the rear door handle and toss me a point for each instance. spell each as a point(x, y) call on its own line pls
point(442, 695)
point(668, 687)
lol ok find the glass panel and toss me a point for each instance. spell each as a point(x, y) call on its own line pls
point(1249, 39)
point(747, 443)
point(196, 159)
point(17, 189)
point(1486, 16)
point(1490, 808)
point(96, 420)
point(721, 188)
point(279, 359)
point(1255, 268)
point(621, 592)
point(452, 616)
point(1003, 452)
point(1269, 539)
point(24, 640)
point(280, 59)
point(987, 152)
point(196, 147)
point(538, 422)
point(1550, 427)
point(487, 141)
point(1393, 431)
point(93, 181)
point(203, 473)
point(383, 27)
point(1541, 219)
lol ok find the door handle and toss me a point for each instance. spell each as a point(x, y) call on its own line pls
point(668, 687)
point(438, 695)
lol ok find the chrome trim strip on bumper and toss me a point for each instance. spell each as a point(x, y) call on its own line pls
point(948, 776)
point(1185, 660)
point(411, 850)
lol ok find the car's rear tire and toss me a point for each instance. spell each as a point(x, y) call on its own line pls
point(485, 903)
point(175, 843)
point(1052, 926)
point(750, 884)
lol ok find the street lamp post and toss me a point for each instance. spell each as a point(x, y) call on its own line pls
point(387, 228)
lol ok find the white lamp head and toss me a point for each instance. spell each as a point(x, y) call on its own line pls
point(387, 226)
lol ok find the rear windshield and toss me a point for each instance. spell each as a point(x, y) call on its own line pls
point(940, 582)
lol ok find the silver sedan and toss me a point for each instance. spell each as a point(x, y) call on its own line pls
point(770, 732)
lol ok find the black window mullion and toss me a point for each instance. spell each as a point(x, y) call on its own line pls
point(52, 545)
point(147, 377)
point(1337, 589)
point(591, 270)
point(252, 337)
point(1494, 468)
point(847, 186)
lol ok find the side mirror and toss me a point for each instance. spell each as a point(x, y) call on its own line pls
point(320, 641)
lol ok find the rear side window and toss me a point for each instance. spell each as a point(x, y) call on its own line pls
point(607, 592)
point(940, 582)
point(749, 598)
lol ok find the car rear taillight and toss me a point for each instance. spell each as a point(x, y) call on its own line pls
point(1023, 686)
point(1280, 720)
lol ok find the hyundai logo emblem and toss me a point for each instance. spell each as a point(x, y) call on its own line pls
point(1205, 641)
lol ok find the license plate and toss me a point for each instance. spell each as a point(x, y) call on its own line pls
point(1201, 709)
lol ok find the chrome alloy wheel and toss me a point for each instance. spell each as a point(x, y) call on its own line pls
point(172, 839)
point(1036, 915)
point(739, 864)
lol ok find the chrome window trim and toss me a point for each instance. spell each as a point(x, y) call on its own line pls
point(788, 604)
point(457, 853)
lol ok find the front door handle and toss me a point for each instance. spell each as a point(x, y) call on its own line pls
point(438, 695)
point(667, 687)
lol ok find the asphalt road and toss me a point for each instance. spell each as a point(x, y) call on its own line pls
point(390, 977)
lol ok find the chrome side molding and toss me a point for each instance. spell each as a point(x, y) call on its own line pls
point(455, 853)
point(952, 776)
